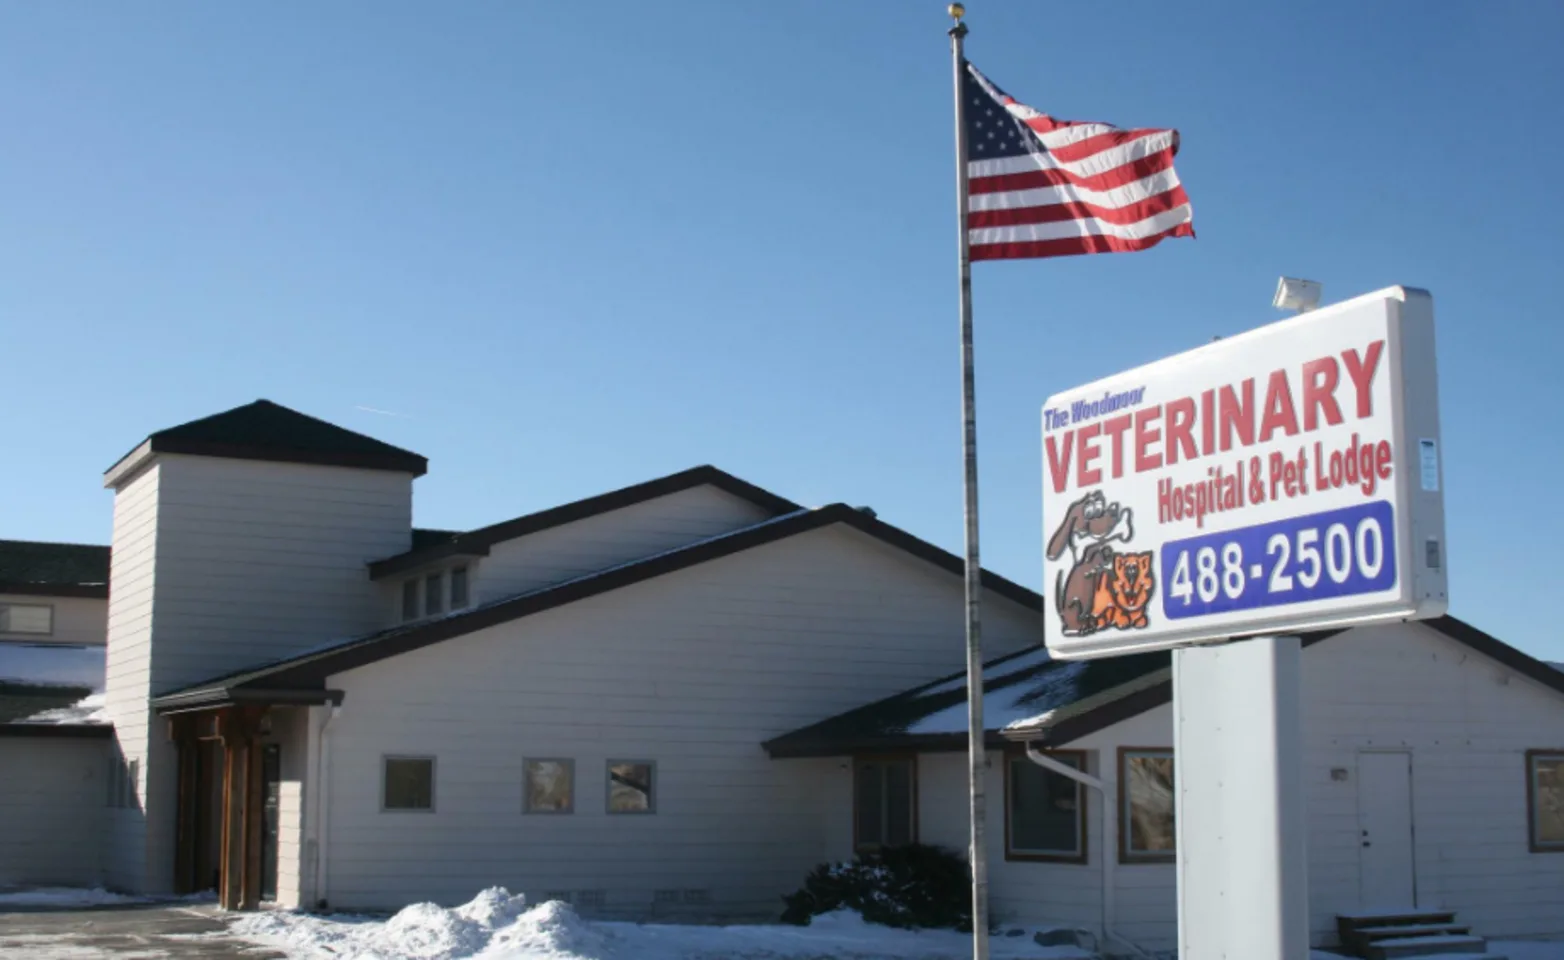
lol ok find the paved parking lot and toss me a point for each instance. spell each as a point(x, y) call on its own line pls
point(143, 932)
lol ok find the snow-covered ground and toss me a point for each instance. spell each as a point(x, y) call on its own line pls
point(498, 926)
point(64, 897)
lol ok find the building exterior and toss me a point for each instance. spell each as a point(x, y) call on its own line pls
point(53, 600)
point(673, 699)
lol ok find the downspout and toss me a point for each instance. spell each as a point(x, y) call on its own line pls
point(1110, 809)
point(323, 792)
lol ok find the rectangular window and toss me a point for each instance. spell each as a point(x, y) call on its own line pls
point(410, 600)
point(408, 784)
point(549, 787)
point(1146, 800)
point(434, 595)
point(885, 806)
point(123, 776)
point(1545, 799)
point(1045, 812)
point(630, 785)
point(32, 618)
point(458, 588)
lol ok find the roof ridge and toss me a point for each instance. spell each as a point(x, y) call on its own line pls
point(267, 430)
point(477, 541)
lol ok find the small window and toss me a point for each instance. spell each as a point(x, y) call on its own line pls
point(409, 783)
point(122, 781)
point(884, 802)
point(33, 618)
point(1545, 799)
point(1146, 796)
point(458, 588)
point(550, 786)
point(434, 595)
point(410, 600)
point(1045, 812)
point(630, 784)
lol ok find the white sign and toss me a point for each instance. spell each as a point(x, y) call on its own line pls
point(1282, 480)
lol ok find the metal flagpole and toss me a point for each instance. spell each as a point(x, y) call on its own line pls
point(977, 765)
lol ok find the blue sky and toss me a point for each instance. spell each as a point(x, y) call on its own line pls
point(572, 246)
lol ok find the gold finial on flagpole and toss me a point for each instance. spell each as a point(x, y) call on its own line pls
point(957, 11)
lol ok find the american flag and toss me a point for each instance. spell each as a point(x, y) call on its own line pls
point(1040, 187)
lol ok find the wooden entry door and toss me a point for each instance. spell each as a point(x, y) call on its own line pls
point(1385, 864)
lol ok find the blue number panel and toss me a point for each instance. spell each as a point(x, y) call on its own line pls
point(1337, 553)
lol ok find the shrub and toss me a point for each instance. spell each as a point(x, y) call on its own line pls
point(911, 886)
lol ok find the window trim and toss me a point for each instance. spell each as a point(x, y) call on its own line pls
point(1023, 856)
point(411, 586)
point(1533, 842)
point(434, 780)
point(526, 794)
point(466, 571)
point(608, 792)
point(1126, 856)
point(30, 633)
point(859, 760)
point(437, 581)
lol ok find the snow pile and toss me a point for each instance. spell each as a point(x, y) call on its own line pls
point(426, 931)
point(496, 925)
point(88, 710)
point(64, 897)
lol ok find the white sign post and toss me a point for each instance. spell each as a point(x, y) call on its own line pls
point(1283, 480)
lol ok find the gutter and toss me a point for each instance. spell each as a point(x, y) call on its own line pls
point(323, 793)
point(212, 697)
point(1110, 808)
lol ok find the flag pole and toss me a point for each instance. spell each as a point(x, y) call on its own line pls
point(977, 768)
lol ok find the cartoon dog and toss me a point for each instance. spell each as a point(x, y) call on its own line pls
point(1089, 525)
point(1123, 592)
point(1090, 520)
point(1075, 594)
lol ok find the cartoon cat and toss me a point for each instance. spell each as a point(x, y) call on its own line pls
point(1123, 591)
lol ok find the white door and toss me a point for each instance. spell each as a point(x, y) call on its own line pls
point(1385, 821)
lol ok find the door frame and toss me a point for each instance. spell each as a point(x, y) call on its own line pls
point(1411, 815)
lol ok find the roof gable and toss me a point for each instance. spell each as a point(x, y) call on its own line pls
point(477, 543)
point(54, 569)
point(303, 677)
point(264, 430)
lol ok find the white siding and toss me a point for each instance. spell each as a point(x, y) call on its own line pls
point(51, 818)
point(573, 549)
point(77, 620)
point(251, 561)
point(1467, 722)
point(261, 560)
point(290, 731)
point(132, 567)
point(692, 670)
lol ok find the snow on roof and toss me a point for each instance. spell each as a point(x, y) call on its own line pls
point(1003, 705)
point(993, 672)
point(90, 710)
point(52, 665)
point(1015, 688)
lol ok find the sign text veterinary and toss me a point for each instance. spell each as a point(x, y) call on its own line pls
point(1285, 479)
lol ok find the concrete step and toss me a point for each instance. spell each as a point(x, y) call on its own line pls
point(1349, 924)
point(1387, 918)
point(1402, 948)
point(1411, 930)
